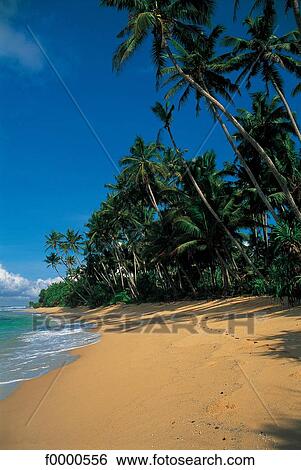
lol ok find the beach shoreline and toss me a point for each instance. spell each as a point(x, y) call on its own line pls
point(169, 376)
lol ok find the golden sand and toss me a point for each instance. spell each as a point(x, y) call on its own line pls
point(170, 376)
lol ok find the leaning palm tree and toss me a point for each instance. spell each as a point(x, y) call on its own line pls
point(265, 54)
point(196, 233)
point(197, 57)
point(165, 115)
point(166, 20)
point(268, 118)
point(55, 242)
point(74, 243)
point(53, 261)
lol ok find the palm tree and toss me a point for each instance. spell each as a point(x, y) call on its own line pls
point(165, 21)
point(74, 240)
point(198, 60)
point(165, 115)
point(143, 167)
point(197, 232)
point(285, 269)
point(264, 54)
point(53, 240)
point(268, 118)
point(53, 261)
point(295, 5)
point(289, 4)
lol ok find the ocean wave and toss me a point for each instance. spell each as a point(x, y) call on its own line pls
point(26, 354)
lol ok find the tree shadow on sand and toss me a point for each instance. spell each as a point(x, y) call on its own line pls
point(287, 436)
point(286, 344)
point(170, 317)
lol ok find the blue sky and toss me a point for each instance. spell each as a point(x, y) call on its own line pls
point(53, 171)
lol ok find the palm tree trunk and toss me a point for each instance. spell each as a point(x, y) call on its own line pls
point(114, 278)
point(105, 278)
point(288, 109)
point(121, 275)
point(212, 272)
point(280, 179)
point(245, 165)
point(172, 138)
point(218, 219)
point(106, 274)
point(197, 267)
point(163, 281)
point(265, 231)
point(296, 8)
point(135, 266)
point(212, 211)
point(188, 280)
point(65, 279)
point(128, 276)
point(89, 292)
point(225, 271)
point(153, 199)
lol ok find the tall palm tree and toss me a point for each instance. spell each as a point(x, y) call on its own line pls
point(165, 115)
point(265, 54)
point(61, 244)
point(53, 240)
point(197, 231)
point(197, 58)
point(164, 21)
point(143, 167)
point(268, 118)
point(53, 261)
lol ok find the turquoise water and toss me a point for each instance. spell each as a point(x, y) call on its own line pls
point(31, 345)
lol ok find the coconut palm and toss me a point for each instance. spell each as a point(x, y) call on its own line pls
point(197, 232)
point(54, 240)
point(164, 112)
point(165, 116)
point(164, 21)
point(197, 58)
point(285, 269)
point(74, 239)
point(289, 4)
point(268, 117)
point(53, 261)
point(143, 167)
point(265, 54)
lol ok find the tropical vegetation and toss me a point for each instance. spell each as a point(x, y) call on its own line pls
point(175, 227)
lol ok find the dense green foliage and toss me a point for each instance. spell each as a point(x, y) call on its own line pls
point(173, 227)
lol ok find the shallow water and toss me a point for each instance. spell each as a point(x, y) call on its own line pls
point(31, 345)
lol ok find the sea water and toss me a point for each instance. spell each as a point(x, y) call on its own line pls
point(31, 345)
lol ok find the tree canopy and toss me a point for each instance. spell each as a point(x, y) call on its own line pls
point(175, 227)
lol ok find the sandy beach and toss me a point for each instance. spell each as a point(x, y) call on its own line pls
point(183, 375)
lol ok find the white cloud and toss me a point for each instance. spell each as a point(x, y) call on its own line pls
point(16, 46)
point(15, 285)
